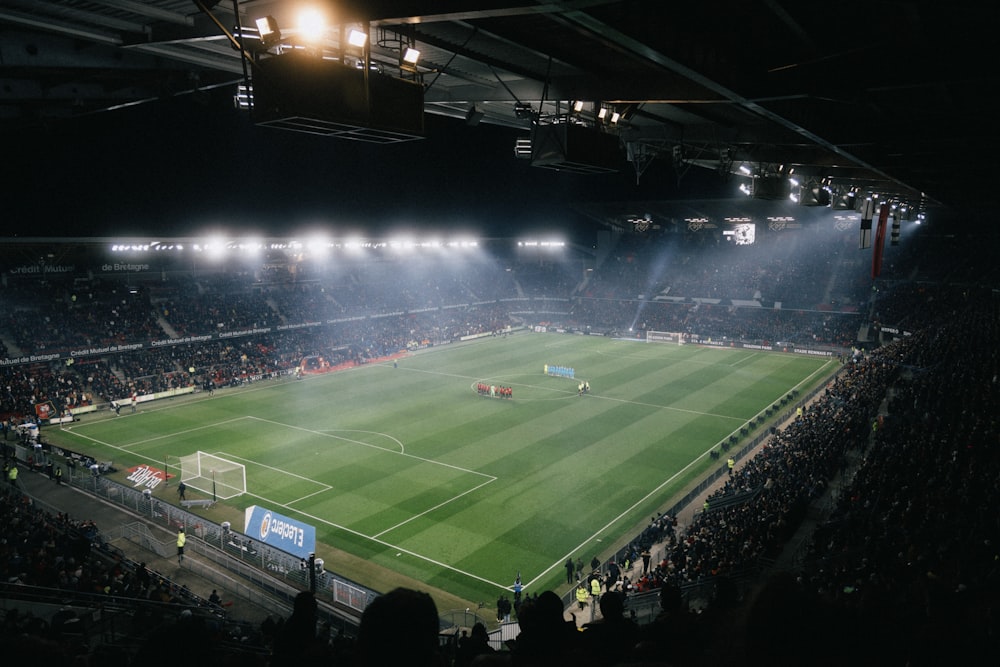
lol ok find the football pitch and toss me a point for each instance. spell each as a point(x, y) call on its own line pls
point(409, 468)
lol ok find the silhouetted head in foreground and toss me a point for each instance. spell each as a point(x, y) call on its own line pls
point(399, 627)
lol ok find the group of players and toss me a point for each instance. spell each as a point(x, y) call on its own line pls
point(494, 391)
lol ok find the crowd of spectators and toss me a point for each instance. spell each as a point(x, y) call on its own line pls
point(811, 271)
point(61, 316)
point(912, 547)
point(46, 555)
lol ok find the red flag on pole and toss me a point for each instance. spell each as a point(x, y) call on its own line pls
point(883, 219)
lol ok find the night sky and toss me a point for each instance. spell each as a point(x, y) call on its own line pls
point(179, 166)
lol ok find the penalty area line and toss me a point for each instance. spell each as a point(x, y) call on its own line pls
point(399, 549)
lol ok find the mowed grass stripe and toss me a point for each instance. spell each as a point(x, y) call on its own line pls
point(360, 477)
point(398, 453)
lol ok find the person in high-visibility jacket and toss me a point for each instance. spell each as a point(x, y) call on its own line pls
point(581, 595)
point(595, 587)
point(181, 540)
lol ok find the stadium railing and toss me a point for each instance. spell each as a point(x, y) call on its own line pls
point(271, 575)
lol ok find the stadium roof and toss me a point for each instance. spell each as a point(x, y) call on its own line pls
point(889, 97)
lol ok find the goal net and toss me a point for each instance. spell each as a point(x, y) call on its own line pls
point(664, 337)
point(214, 475)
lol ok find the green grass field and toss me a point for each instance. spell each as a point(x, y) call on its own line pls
point(410, 469)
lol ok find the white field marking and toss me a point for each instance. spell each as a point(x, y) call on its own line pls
point(365, 444)
point(696, 412)
point(152, 406)
point(438, 506)
point(629, 510)
point(657, 353)
point(375, 538)
point(398, 548)
point(746, 358)
point(412, 553)
point(562, 343)
point(116, 447)
point(176, 433)
point(479, 379)
point(326, 487)
point(814, 373)
point(474, 380)
point(410, 369)
point(595, 536)
point(329, 434)
point(568, 394)
point(665, 407)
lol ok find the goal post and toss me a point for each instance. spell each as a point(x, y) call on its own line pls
point(664, 337)
point(213, 475)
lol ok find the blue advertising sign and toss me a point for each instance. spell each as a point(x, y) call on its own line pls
point(279, 531)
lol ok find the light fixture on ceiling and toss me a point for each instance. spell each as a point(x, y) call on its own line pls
point(411, 56)
point(767, 185)
point(843, 199)
point(578, 106)
point(522, 148)
point(397, 42)
point(267, 28)
point(812, 193)
point(357, 38)
point(473, 116)
point(243, 99)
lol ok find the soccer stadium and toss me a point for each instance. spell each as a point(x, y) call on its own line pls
point(351, 395)
point(603, 333)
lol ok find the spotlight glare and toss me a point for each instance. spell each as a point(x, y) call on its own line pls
point(311, 24)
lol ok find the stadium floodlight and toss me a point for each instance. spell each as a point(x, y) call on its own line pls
point(215, 247)
point(267, 28)
point(357, 38)
point(318, 245)
point(411, 56)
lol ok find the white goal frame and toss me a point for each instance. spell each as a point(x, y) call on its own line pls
point(664, 337)
point(213, 475)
